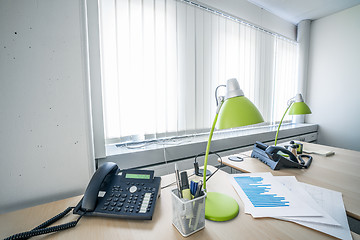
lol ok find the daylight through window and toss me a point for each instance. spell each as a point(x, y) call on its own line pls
point(163, 59)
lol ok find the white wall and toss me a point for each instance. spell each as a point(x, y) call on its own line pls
point(334, 78)
point(45, 142)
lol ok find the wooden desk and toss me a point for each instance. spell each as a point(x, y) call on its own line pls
point(340, 172)
point(241, 227)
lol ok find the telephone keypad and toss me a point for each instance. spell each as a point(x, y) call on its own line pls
point(137, 198)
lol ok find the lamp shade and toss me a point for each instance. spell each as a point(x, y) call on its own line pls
point(299, 108)
point(238, 111)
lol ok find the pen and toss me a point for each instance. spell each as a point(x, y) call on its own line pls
point(178, 184)
point(193, 187)
point(198, 190)
point(185, 190)
point(198, 206)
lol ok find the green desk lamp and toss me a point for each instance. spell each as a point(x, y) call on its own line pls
point(298, 107)
point(233, 111)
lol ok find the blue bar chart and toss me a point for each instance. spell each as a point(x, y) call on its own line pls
point(259, 193)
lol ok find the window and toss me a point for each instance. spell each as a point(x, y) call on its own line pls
point(162, 60)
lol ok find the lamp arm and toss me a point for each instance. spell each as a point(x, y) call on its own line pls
point(277, 132)
point(221, 99)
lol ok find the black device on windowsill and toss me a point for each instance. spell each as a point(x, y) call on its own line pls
point(275, 157)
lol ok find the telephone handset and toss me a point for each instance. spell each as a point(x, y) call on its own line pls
point(100, 179)
point(275, 151)
point(271, 155)
point(129, 194)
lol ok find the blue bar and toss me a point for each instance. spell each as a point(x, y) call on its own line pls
point(270, 199)
point(256, 190)
point(262, 205)
point(271, 204)
point(259, 201)
point(261, 195)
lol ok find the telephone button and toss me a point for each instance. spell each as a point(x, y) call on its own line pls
point(118, 209)
point(110, 208)
point(106, 203)
point(133, 189)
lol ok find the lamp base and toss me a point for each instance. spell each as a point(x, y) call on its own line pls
point(220, 207)
point(201, 173)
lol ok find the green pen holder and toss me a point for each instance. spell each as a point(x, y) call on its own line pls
point(188, 215)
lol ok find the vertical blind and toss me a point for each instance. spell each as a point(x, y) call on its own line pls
point(163, 59)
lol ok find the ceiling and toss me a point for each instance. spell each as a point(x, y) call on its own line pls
point(296, 10)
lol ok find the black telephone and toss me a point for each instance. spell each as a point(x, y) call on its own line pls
point(129, 194)
point(271, 155)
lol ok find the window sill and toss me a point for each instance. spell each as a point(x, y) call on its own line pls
point(222, 142)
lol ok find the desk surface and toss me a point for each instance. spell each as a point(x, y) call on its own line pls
point(339, 172)
point(241, 227)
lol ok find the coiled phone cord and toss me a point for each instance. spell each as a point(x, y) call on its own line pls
point(43, 229)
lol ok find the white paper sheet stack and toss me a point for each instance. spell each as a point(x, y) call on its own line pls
point(283, 197)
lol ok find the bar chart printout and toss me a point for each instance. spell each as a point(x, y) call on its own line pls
point(264, 196)
point(259, 193)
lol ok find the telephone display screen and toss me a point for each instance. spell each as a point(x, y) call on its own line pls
point(137, 176)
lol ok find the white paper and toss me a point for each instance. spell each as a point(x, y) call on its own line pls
point(332, 202)
point(298, 190)
point(267, 197)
